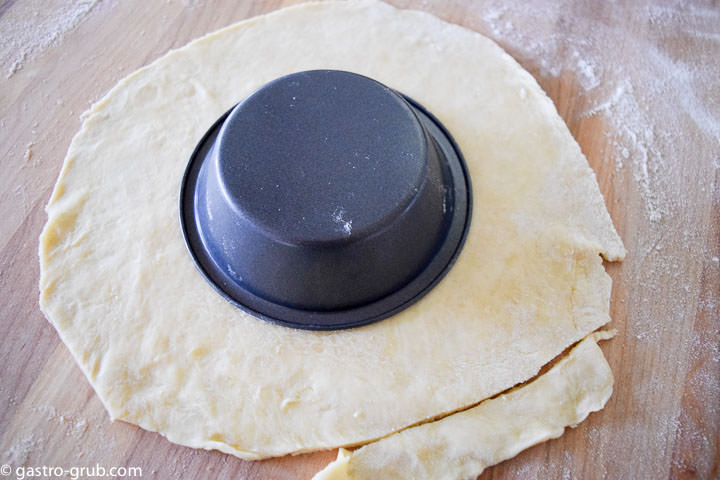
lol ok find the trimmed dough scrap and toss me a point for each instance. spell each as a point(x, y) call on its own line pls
point(463, 444)
point(164, 351)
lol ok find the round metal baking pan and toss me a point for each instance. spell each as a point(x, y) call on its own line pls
point(325, 200)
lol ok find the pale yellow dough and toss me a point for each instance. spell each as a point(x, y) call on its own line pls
point(164, 351)
point(462, 445)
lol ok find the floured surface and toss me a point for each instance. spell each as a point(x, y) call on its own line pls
point(51, 20)
point(463, 445)
point(662, 419)
point(164, 351)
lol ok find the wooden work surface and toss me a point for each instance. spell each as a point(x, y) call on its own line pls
point(636, 84)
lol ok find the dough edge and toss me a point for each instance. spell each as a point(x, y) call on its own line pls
point(612, 247)
point(463, 444)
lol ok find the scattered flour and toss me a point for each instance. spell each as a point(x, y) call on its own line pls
point(646, 98)
point(32, 442)
point(75, 426)
point(23, 38)
point(22, 449)
point(338, 216)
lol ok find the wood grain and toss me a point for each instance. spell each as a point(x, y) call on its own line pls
point(663, 419)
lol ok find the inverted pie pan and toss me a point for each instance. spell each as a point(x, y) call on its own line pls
point(325, 200)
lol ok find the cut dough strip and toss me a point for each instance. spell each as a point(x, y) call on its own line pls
point(462, 445)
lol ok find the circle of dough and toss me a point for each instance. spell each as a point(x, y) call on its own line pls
point(163, 350)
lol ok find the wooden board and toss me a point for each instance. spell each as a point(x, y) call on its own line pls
point(637, 86)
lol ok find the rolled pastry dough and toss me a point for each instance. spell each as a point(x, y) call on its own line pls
point(464, 444)
point(166, 352)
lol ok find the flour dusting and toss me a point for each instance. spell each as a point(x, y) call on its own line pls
point(23, 448)
point(638, 97)
point(24, 39)
point(338, 216)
